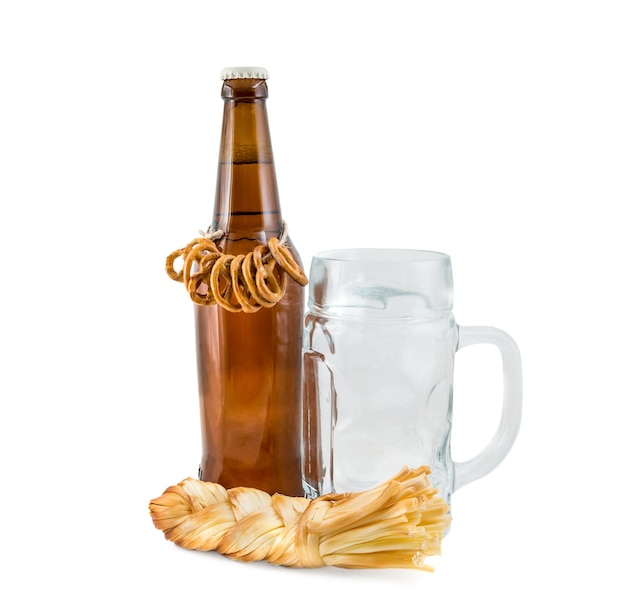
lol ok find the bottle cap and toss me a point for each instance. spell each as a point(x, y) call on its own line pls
point(233, 73)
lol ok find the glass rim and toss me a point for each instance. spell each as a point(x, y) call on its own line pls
point(381, 255)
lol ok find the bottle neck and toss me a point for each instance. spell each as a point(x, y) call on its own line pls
point(246, 202)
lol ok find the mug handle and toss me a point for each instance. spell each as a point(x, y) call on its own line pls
point(490, 457)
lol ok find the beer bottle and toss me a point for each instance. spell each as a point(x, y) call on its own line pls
point(249, 364)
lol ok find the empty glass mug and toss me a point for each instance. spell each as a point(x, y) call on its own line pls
point(379, 348)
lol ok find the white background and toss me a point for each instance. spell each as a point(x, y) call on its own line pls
point(494, 131)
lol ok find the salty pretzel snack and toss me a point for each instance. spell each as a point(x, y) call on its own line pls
point(397, 524)
point(241, 283)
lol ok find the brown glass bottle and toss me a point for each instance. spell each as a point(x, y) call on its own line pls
point(249, 364)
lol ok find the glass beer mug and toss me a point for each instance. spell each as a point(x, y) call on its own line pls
point(379, 346)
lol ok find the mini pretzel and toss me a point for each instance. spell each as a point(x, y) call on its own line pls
point(169, 265)
point(240, 286)
point(196, 286)
point(198, 282)
point(172, 257)
point(221, 269)
point(194, 252)
point(269, 288)
point(285, 260)
point(248, 270)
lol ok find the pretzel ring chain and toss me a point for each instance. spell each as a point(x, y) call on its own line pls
point(237, 283)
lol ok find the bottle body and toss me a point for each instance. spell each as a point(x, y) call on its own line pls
point(249, 364)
